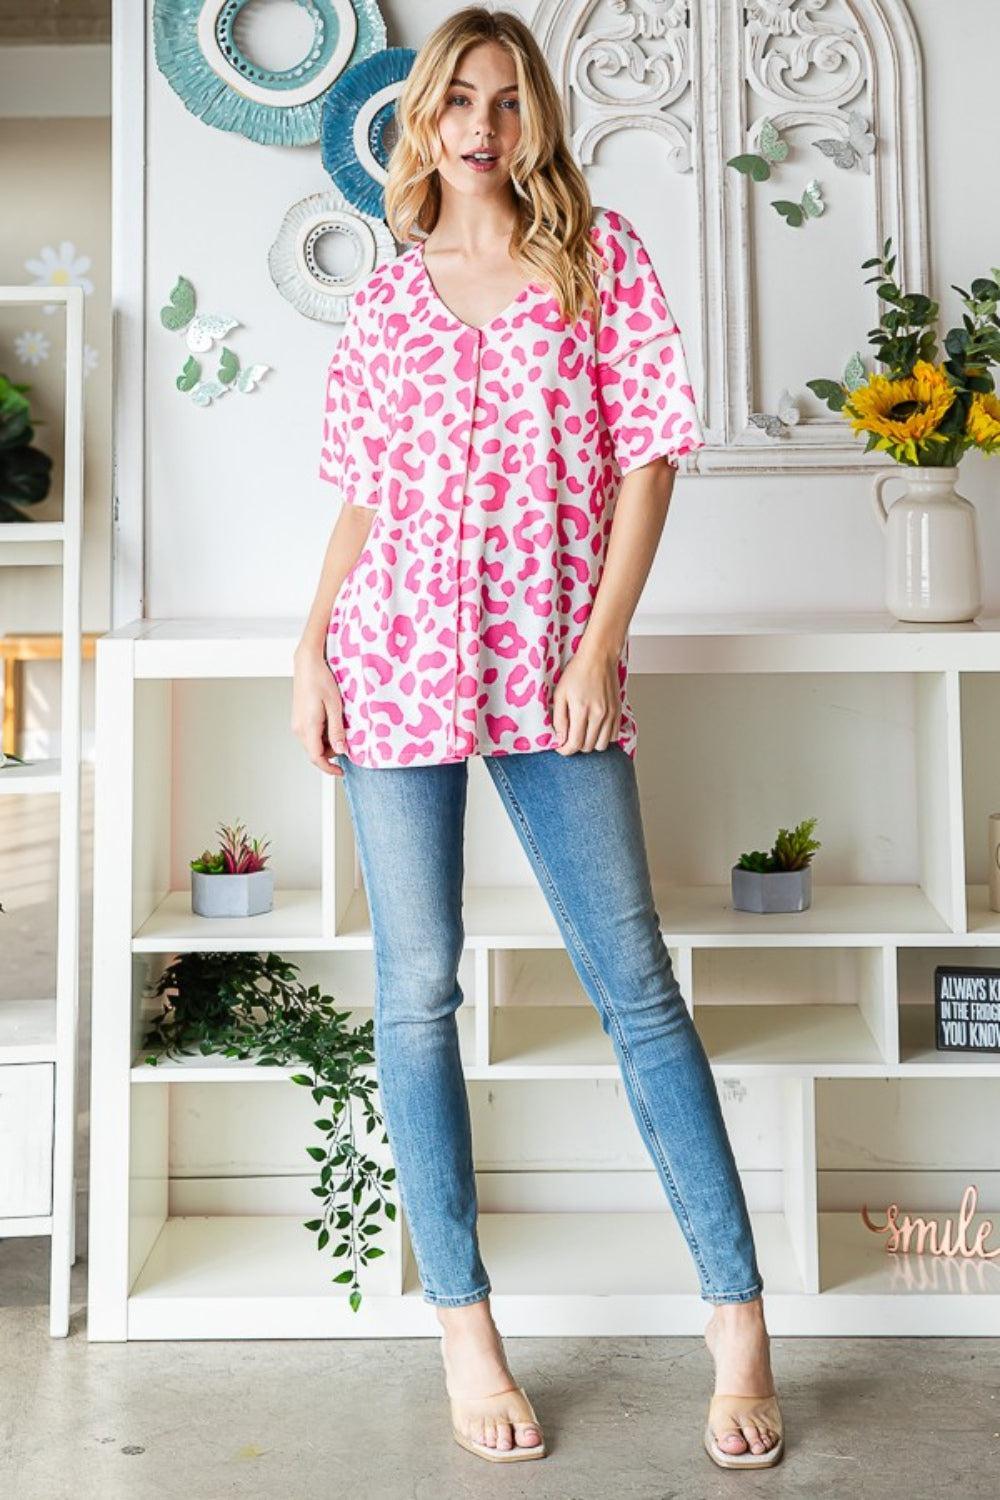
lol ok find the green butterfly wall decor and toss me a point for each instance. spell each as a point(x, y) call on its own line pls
point(773, 151)
point(810, 206)
point(835, 392)
point(201, 331)
point(855, 374)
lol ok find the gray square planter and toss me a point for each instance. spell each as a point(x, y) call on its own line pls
point(232, 895)
point(772, 890)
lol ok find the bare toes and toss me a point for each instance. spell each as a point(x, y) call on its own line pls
point(753, 1437)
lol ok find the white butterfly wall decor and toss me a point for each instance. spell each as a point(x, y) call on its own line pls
point(778, 424)
point(856, 149)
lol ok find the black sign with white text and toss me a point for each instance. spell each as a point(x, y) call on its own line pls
point(966, 1009)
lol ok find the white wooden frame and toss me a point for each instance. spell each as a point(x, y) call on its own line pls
point(699, 49)
point(42, 1034)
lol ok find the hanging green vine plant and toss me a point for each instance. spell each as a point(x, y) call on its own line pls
point(252, 1005)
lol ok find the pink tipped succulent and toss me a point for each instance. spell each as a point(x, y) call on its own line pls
point(241, 856)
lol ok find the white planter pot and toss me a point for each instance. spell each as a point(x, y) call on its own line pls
point(232, 895)
point(932, 565)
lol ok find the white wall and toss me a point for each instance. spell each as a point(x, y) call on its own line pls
point(237, 518)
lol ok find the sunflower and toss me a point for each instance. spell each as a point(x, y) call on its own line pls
point(984, 422)
point(902, 411)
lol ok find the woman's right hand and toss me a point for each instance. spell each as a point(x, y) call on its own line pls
point(317, 710)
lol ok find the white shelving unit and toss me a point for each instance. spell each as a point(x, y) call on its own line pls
point(886, 732)
point(38, 1035)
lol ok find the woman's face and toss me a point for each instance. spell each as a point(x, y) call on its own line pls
point(480, 112)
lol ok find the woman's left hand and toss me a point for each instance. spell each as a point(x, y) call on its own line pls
point(586, 703)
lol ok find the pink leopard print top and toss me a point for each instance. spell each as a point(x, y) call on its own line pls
point(493, 457)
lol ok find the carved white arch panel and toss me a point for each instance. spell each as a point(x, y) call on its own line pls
point(691, 81)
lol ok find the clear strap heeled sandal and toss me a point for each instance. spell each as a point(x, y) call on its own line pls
point(727, 1412)
point(510, 1405)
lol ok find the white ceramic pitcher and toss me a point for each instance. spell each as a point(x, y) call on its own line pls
point(932, 565)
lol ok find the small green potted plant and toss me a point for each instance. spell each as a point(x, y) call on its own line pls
point(232, 882)
point(25, 471)
point(780, 880)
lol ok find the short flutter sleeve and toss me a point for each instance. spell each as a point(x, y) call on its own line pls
point(353, 447)
point(643, 387)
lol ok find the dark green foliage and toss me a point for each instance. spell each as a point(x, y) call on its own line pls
point(252, 1005)
point(906, 333)
point(25, 471)
point(792, 850)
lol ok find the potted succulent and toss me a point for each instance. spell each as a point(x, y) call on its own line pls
point(780, 880)
point(233, 882)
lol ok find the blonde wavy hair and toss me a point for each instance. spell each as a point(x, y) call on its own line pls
point(552, 232)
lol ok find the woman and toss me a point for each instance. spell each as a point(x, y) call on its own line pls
point(504, 414)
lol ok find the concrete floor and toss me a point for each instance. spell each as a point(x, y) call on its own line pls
point(304, 1420)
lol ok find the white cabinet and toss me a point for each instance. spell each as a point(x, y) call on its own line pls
point(814, 1022)
point(26, 1103)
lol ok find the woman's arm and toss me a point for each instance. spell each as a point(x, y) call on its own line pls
point(317, 709)
point(347, 541)
point(587, 699)
point(640, 514)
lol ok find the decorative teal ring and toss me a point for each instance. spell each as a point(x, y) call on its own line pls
point(199, 54)
point(356, 113)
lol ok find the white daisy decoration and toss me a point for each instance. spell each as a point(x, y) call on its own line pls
point(64, 267)
point(89, 359)
point(32, 346)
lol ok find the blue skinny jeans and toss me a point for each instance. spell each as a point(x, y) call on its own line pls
point(578, 819)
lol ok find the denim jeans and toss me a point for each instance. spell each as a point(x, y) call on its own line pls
point(578, 819)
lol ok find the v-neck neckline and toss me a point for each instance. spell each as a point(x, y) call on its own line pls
point(500, 317)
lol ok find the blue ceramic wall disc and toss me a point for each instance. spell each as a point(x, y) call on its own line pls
point(356, 113)
point(199, 53)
